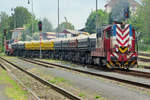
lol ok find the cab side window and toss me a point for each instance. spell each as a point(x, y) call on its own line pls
point(99, 33)
point(108, 33)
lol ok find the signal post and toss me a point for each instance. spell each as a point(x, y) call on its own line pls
point(5, 40)
point(40, 31)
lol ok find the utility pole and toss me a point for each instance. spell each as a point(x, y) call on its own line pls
point(5, 40)
point(12, 9)
point(96, 17)
point(58, 21)
point(67, 26)
point(40, 30)
point(96, 21)
point(32, 13)
point(66, 20)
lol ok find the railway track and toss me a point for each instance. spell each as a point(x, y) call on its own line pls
point(143, 59)
point(144, 54)
point(4, 66)
point(130, 72)
point(67, 94)
point(146, 60)
point(134, 73)
point(146, 67)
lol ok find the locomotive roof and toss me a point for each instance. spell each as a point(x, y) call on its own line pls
point(106, 27)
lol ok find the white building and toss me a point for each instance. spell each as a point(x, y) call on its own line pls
point(16, 34)
point(111, 3)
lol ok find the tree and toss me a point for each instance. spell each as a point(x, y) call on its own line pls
point(47, 26)
point(28, 29)
point(65, 25)
point(145, 19)
point(21, 16)
point(36, 36)
point(141, 23)
point(91, 21)
point(27, 34)
point(4, 24)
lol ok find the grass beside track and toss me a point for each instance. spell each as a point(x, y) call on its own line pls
point(142, 64)
point(2, 54)
point(12, 90)
point(67, 84)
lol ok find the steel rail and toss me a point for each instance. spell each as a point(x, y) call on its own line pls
point(130, 72)
point(91, 73)
point(144, 54)
point(15, 78)
point(55, 87)
point(143, 59)
point(134, 73)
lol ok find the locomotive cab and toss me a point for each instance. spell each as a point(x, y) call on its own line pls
point(107, 37)
point(115, 46)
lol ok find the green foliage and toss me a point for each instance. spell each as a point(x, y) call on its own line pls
point(65, 25)
point(1, 43)
point(57, 80)
point(141, 23)
point(47, 26)
point(22, 16)
point(97, 96)
point(144, 47)
point(5, 20)
point(91, 21)
point(28, 29)
point(81, 95)
point(28, 35)
point(13, 90)
point(145, 17)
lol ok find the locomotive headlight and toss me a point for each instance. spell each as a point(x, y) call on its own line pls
point(117, 50)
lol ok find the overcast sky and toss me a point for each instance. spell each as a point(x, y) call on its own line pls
point(76, 11)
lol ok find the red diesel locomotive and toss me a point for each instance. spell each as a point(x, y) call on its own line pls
point(113, 46)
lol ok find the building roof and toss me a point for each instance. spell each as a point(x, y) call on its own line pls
point(114, 2)
point(17, 29)
point(71, 31)
point(74, 32)
point(49, 35)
